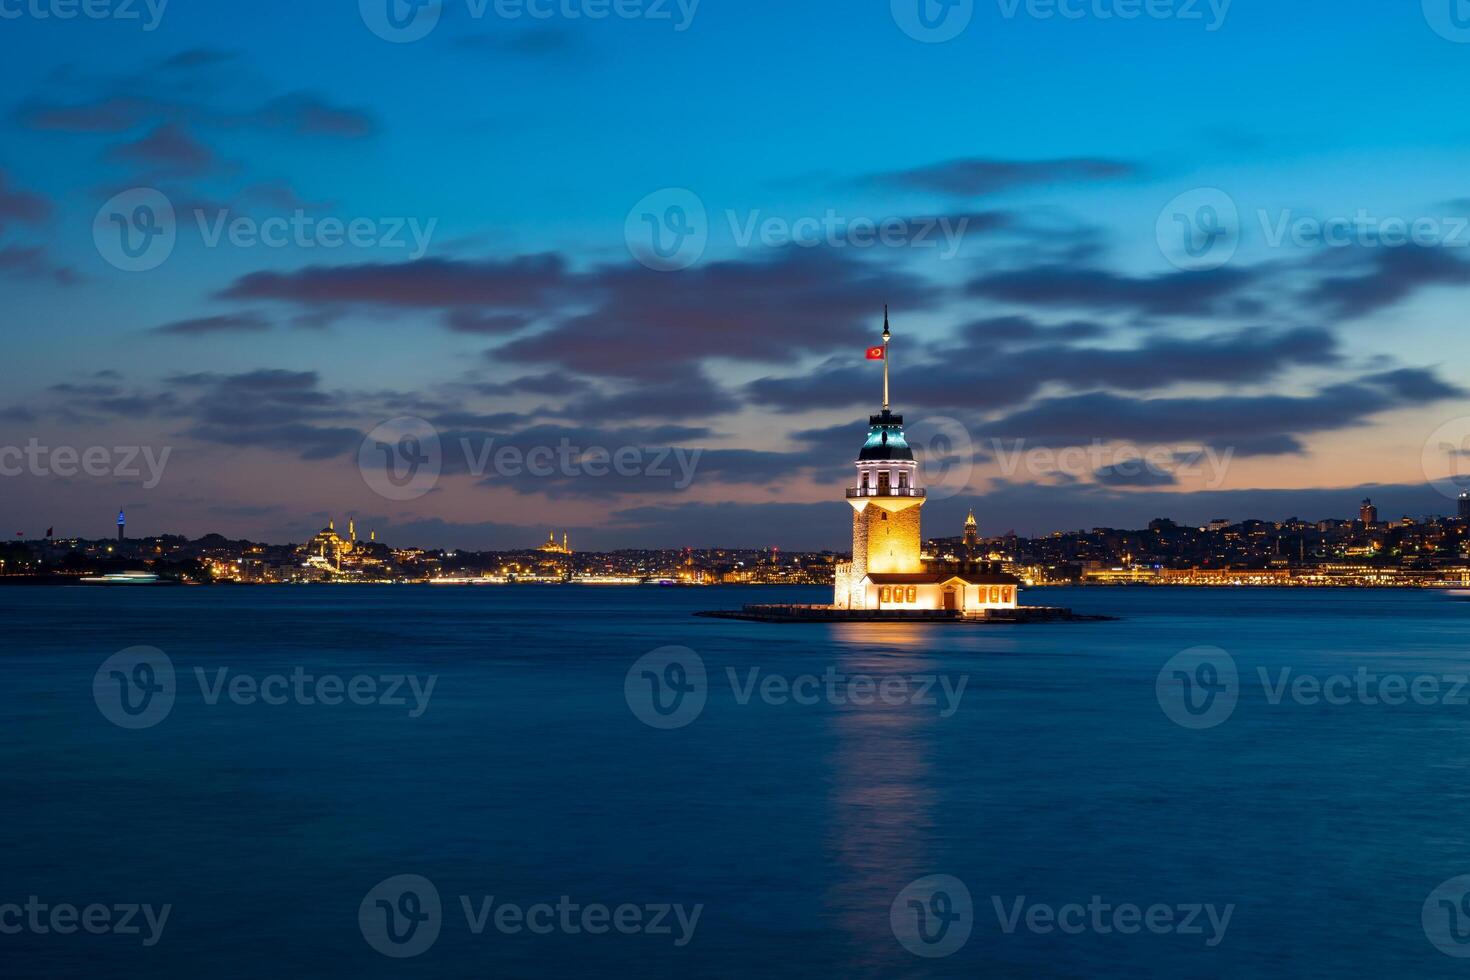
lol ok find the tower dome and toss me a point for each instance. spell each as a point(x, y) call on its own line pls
point(885, 439)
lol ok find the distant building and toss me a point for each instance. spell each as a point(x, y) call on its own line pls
point(1367, 513)
point(1464, 505)
point(122, 526)
point(552, 548)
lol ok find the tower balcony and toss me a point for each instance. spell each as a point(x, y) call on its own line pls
point(854, 493)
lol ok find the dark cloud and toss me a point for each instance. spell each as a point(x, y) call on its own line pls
point(32, 262)
point(309, 442)
point(1135, 473)
point(655, 325)
point(550, 383)
point(169, 149)
point(548, 42)
point(22, 206)
point(116, 114)
point(975, 177)
point(222, 323)
point(305, 114)
point(987, 375)
point(690, 396)
point(1011, 331)
point(1250, 425)
point(278, 195)
point(197, 58)
point(1068, 286)
point(1385, 276)
point(524, 282)
point(497, 324)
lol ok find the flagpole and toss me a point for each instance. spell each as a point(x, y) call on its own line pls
point(886, 335)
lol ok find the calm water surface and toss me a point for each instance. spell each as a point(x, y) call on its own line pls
point(1057, 777)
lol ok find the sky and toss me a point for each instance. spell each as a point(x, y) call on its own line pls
point(473, 271)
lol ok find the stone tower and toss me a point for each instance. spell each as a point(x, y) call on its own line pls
point(886, 502)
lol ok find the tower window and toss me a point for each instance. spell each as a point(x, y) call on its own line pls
point(903, 481)
point(885, 515)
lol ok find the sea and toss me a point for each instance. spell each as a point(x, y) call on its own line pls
point(562, 781)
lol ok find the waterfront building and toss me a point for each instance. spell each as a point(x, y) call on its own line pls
point(888, 570)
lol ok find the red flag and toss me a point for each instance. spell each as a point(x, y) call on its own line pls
point(875, 353)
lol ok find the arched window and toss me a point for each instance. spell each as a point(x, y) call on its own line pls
point(903, 481)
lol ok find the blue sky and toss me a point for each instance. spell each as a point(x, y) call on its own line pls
point(527, 150)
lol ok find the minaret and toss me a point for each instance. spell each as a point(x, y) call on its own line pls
point(565, 550)
point(352, 529)
point(886, 502)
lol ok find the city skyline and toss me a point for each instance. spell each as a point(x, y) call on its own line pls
point(1275, 338)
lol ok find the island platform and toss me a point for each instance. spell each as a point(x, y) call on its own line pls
point(834, 614)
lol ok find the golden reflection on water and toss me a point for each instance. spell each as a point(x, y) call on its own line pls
point(881, 810)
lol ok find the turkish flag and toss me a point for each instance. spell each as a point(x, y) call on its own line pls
point(875, 353)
